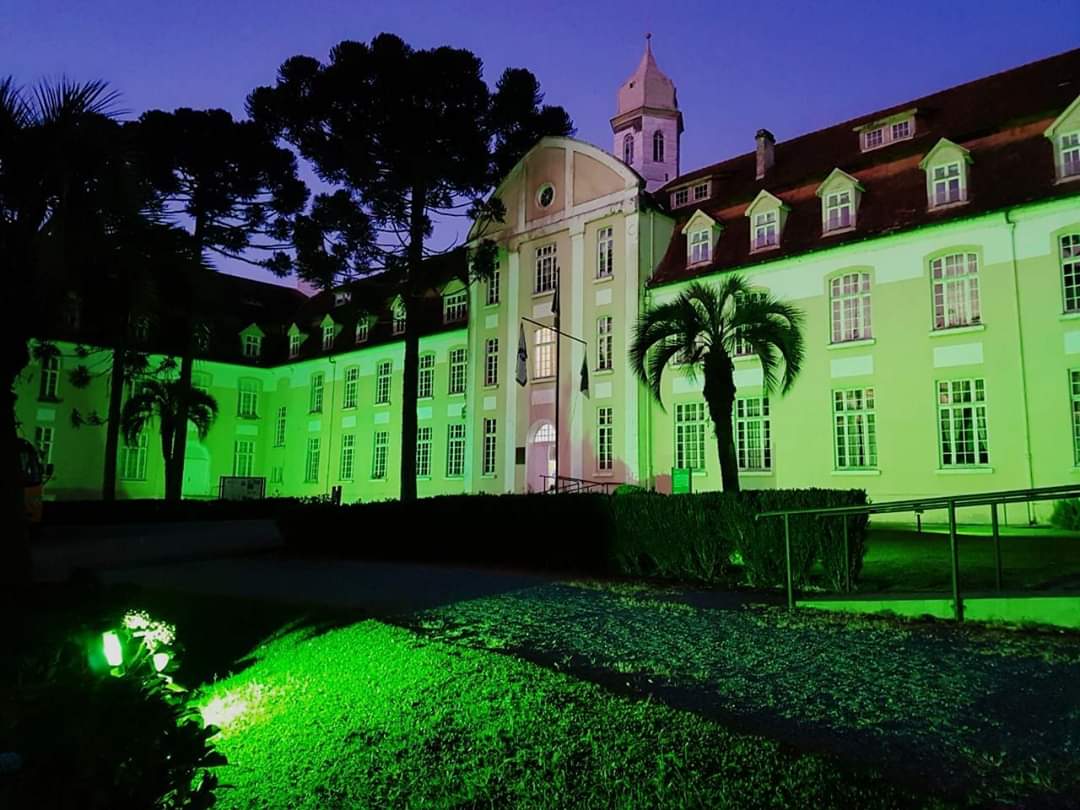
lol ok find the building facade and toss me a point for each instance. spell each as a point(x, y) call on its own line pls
point(933, 247)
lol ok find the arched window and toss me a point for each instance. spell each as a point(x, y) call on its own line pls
point(628, 148)
point(658, 147)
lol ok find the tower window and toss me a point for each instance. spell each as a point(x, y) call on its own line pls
point(657, 147)
point(628, 148)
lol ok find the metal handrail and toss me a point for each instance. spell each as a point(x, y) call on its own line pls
point(919, 505)
point(577, 484)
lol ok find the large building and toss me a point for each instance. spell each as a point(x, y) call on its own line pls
point(933, 246)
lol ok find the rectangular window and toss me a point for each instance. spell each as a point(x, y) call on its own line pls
point(252, 346)
point(423, 452)
point(316, 394)
point(838, 211)
point(382, 382)
point(457, 371)
point(351, 393)
point(690, 435)
point(398, 326)
point(362, 330)
point(456, 307)
point(1070, 154)
point(605, 439)
point(901, 130)
point(43, 441)
point(342, 297)
point(277, 475)
point(491, 362)
point(248, 399)
point(962, 423)
point(753, 443)
point(701, 192)
point(605, 341)
point(854, 429)
point(955, 280)
point(133, 459)
point(455, 451)
point(378, 455)
point(200, 381)
point(311, 460)
point(700, 246)
point(544, 359)
point(605, 252)
point(1070, 271)
point(946, 184)
point(490, 444)
point(294, 345)
point(849, 299)
point(279, 426)
point(425, 381)
point(680, 197)
point(873, 138)
point(243, 458)
point(545, 269)
point(765, 234)
point(742, 347)
point(492, 296)
point(50, 378)
point(348, 455)
point(328, 337)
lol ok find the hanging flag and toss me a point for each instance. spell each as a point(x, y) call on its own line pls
point(555, 298)
point(522, 357)
point(585, 375)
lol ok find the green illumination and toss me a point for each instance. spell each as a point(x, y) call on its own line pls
point(161, 660)
point(114, 651)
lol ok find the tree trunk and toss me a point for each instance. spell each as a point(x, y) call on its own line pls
point(174, 462)
point(720, 398)
point(116, 401)
point(15, 547)
point(410, 376)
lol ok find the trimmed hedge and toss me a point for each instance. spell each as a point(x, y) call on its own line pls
point(1066, 514)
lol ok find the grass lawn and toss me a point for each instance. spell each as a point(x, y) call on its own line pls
point(899, 560)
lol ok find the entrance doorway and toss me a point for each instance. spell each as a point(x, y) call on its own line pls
point(540, 459)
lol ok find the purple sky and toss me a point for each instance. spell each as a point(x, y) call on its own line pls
point(801, 67)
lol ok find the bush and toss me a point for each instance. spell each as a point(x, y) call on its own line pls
point(1066, 514)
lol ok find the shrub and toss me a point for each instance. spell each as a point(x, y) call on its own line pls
point(1066, 514)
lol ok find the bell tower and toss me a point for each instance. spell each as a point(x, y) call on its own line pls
point(647, 123)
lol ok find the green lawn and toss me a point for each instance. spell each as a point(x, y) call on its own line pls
point(899, 560)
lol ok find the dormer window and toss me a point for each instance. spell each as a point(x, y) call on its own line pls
point(328, 332)
point(398, 325)
point(362, 330)
point(455, 306)
point(1064, 134)
point(202, 338)
point(342, 297)
point(295, 340)
point(946, 174)
point(680, 197)
point(876, 134)
point(873, 138)
point(767, 214)
point(901, 130)
point(701, 191)
point(840, 195)
point(1070, 155)
point(838, 211)
point(700, 247)
point(252, 346)
point(766, 234)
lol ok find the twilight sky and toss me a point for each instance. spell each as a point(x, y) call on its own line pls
point(791, 67)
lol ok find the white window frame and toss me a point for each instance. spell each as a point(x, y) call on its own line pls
point(315, 398)
point(134, 458)
point(398, 317)
point(350, 395)
point(605, 252)
point(547, 269)
point(491, 362)
point(455, 450)
point(700, 246)
point(489, 457)
point(954, 284)
point(739, 346)
point(753, 434)
point(690, 435)
point(700, 191)
point(491, 298)
point(243, 458)
point(840, 203)
point(854, 429)
point(873, 138)
point(423, 451)
point(294, 345)
point(363, 327)
point(383, 372)
point(252, 346)
point(49, 389)
point(347, 464)
point(1069, 155)
point(425, 376)
point(942, 178)
point(280, 425)
point(44, 440)
point(311, 459)
point(766, 234)
point(328, 335)
point(850, 307)
point(962, 420)
point(456, 307)
point(1069, 244)
point(680, 197)
point(459, 371)
point(605, 440)
point(1074, 398)
point(605, 343)
point(379, 454)
point(884, 134)
point(247, 398)
point(544, 356)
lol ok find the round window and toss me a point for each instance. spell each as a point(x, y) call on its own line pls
point(545, 195)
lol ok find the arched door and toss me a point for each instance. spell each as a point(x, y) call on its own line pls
point(540, 461)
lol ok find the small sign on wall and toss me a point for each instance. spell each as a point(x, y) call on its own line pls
point(681, 480)
point(241, 488)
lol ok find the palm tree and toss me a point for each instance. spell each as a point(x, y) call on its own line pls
point(161, 400)
point(702, 328)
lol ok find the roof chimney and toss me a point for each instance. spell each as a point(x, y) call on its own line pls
point(766, 149)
